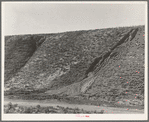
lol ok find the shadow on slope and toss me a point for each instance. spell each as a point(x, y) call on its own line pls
point(18, 50)
point(116, 76)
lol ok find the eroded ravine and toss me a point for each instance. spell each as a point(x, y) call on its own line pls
point(94, 70)
point(105, 58)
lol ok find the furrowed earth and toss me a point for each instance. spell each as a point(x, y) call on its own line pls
point(102, 67)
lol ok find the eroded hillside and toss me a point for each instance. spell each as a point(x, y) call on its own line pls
point(18, 50)
point(105, 64)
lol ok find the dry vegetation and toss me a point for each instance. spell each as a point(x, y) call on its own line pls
point(54, 66)
point(15, 108)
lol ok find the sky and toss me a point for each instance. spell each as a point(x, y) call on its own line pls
point(39, 17)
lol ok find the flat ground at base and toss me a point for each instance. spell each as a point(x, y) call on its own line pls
point(44, 103)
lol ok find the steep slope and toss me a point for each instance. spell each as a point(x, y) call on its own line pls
point(61, 60)
point(122, 78)
point(117, 75)
point(99, 63)
point(18, 50)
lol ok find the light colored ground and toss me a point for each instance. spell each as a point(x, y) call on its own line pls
point(107, 110)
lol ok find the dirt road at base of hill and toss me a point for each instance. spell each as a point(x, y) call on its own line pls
point(44, 103)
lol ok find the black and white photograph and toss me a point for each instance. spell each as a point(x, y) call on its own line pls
point(75, 60)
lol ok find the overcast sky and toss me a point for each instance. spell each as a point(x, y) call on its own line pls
point(33, 18)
